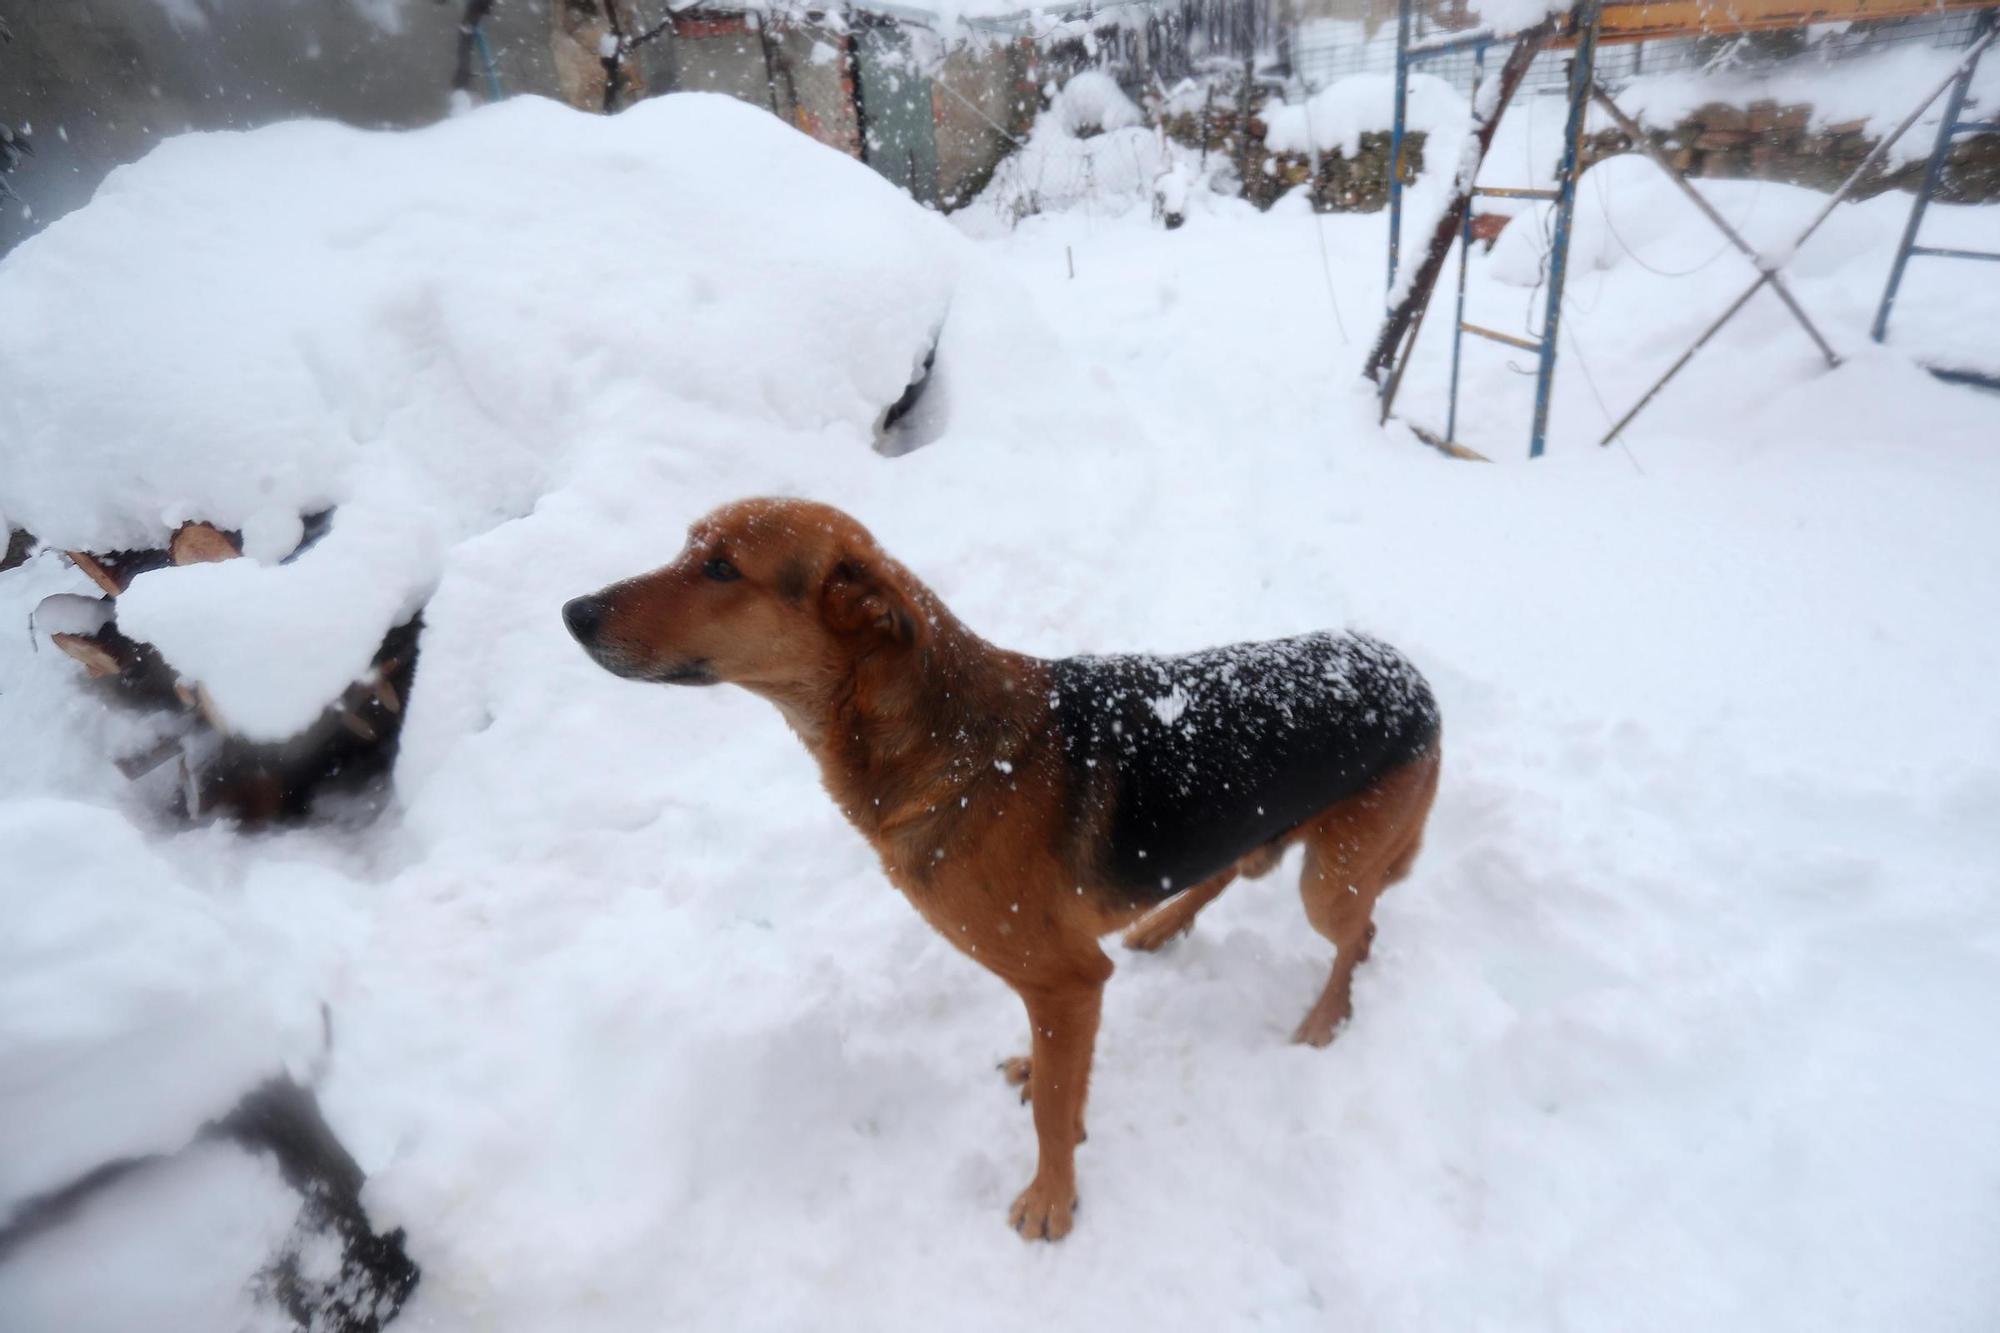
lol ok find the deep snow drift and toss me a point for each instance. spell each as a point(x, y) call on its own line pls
point(1685, 1018)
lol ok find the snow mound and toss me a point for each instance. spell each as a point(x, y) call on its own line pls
point(118, 975)
point(1630, 212)
point(416, 330)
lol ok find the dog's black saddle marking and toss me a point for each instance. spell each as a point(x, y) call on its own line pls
point(1204, 757)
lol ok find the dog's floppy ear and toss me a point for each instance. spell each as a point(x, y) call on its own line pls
point(868, 596)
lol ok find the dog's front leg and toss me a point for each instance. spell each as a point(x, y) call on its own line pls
point(1062, 1016)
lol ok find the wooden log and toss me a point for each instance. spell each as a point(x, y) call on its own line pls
point(114, 571)
point(201, 544)
point(98, 660)
point(19, 542)
point(95, 570)
point(209, 712)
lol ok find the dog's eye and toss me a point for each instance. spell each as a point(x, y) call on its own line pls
point(721, 571)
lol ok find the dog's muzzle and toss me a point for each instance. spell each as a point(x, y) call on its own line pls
point(583, 615)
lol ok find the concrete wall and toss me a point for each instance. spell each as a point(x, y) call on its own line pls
point(721, 55)
point(982, 99)
point(99, 82)
point(816, 81)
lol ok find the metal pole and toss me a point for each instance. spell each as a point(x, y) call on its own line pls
point(1834, 201)
point(1641, 141)
point(1582, 75)
point(1464, 250)
point(1881, 149)
point(1939, 151)
point(1400, 114)
point(486, 59)
point(1687, 356)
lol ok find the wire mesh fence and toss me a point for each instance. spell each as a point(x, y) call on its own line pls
point(1323, 52)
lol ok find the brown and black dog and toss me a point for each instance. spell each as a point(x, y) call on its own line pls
point(1029, 807)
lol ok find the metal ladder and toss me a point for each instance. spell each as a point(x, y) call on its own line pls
point(1583, 24)
point(1949, 128)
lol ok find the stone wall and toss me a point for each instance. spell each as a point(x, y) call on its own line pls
point(1766, 141)
point(1358, 184)
point(1763, 141)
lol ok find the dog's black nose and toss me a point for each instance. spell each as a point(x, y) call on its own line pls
point(583, 615)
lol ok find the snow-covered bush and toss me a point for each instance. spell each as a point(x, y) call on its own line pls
point(1091, 149)
point(1093, 103)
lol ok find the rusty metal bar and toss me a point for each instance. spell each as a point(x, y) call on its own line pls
point(1945, 252)
point(1644, 143)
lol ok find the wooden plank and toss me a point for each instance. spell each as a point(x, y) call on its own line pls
point(1514, 192)
point(1494, 335)
point(1449, 448)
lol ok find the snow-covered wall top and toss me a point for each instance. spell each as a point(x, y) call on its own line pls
point(1334, 119)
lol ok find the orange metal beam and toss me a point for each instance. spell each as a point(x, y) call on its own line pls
point(1643, 20)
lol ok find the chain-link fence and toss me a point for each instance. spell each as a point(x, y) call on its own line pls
point(1323, 52)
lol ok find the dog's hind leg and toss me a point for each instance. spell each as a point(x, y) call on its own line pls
point(1354, 851)
point(1175, 917)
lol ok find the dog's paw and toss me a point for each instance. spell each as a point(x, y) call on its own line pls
point(1044, 1211)
point(1317, 1031)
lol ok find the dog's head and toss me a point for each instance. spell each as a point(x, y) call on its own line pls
point(770, 594)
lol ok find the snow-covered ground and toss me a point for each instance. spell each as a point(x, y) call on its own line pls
point(1687, 1017)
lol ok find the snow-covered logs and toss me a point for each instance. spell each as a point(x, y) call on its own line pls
point(347, 751)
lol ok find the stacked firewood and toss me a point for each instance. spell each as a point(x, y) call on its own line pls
point(347, 752)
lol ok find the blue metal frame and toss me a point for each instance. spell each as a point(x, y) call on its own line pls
point(486, 59)
point(1948, 128)
point(1404, 20)
point(1582, 73)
